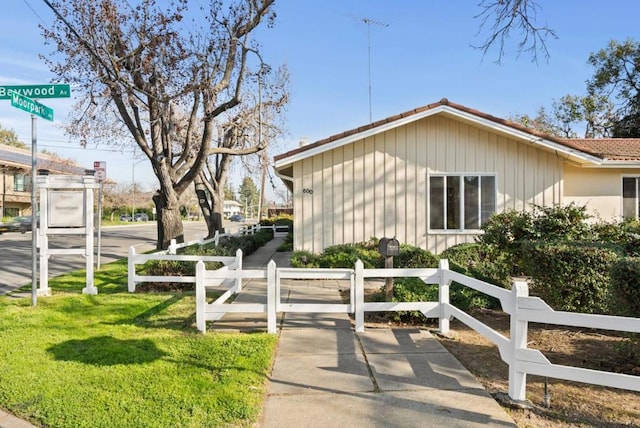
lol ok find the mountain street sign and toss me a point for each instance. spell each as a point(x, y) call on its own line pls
point(31, 106)
point(36, 91)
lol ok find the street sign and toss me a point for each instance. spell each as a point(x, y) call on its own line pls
point(100, 167)
point(36, 91)
point(31, 106)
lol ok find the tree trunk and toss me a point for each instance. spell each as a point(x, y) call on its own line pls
point(212, 208)
point(169, 222)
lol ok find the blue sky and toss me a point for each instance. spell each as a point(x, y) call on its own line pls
point(422, 55)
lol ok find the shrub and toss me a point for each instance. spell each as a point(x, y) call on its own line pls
point(414, 257)
point(304, 259)
point(625, 286)
point(480, 261)
point(570, 276)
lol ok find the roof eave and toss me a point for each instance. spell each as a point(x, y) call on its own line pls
point(571, 153)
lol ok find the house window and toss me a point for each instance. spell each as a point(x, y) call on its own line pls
point(21, 183)
point(461, 202)
point(630, 197)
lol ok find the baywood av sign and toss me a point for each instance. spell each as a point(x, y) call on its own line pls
point(36, 91)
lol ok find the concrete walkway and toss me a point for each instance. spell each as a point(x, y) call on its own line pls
point(326, 375)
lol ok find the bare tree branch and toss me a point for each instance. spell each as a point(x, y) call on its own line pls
point(504, 17)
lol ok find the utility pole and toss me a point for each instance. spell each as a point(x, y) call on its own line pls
point(369, 22)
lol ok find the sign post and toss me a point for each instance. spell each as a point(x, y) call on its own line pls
point(100, 167)
point(21, 97)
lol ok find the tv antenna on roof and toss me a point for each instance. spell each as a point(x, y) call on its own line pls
point(369, 22)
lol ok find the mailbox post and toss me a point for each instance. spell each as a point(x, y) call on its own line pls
point(389, 247)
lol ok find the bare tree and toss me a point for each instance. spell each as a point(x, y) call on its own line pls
point(249, 129)
point(141, 67)
point(503, 17)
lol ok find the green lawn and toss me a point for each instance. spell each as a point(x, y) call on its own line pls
point(122, 360)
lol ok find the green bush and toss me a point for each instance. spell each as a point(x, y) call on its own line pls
point(414, 257)
point(570, 276)
point(480, 261)
point(304, 259)
point(346, 255)
point(625, 287)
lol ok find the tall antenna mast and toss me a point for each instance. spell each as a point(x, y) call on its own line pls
point(368, 22)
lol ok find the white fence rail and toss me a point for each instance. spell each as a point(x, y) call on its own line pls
point(170, 254)
point(516, 302)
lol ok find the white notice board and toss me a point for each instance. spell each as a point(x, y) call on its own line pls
point(66, 208)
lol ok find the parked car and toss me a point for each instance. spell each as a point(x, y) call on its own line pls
point(22, 224)
point(141, 217)
point(236, 217)
point(4, 227)
point(125, 217)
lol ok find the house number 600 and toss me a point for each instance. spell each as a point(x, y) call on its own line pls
point(309, 191)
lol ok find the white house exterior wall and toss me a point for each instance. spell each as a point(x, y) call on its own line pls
point(378, 186)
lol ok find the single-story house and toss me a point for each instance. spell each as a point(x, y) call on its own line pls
point(432, 176)
point(231, 208)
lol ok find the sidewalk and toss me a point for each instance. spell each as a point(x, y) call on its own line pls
point(326, 375)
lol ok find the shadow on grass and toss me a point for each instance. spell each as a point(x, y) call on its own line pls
point(107, 351)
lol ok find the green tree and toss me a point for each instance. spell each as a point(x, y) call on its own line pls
point(249, 195)
point(8, 137)
point(159, 76)
point(229, 193)
point(617, 77)
point(593, 113)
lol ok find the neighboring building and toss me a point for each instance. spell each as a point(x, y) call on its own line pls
point(432, 176)
point(15, 167)
point(231, 207)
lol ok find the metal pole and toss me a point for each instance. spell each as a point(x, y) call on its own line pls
point(99, 226)
point(34, 209)
point(133, 187)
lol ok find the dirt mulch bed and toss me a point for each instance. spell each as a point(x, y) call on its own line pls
point(572, 404)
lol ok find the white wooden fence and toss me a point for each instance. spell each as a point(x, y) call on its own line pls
point(516, 302)
point(231, 263)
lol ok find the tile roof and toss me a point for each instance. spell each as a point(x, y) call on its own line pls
point(615, 149)
point(608, 149)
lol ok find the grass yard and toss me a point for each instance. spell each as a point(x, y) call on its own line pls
point(120, 360)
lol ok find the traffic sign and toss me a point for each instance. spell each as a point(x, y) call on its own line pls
point(100, 167)
point(31, 106)
point(36, 91)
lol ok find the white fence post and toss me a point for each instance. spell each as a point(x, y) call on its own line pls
point(359, 279)
point(201, 298)
point(271, 297)
point(216, 237)
point(131, 270)
point(443, 297)
point(517, 340)
point(172, 247)
point(239, 267)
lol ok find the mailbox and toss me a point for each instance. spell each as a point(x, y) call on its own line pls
point(389, 247)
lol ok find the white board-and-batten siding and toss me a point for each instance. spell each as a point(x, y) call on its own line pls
point(378, 186)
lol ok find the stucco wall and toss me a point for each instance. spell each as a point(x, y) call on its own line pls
point(600, 189)
point(378, 186)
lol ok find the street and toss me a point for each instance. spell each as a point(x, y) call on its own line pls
point(15, 248)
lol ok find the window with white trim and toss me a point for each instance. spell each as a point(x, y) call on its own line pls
point(461, 201)
point(630, 197)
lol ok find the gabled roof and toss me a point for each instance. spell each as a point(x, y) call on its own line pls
point(584, 151)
